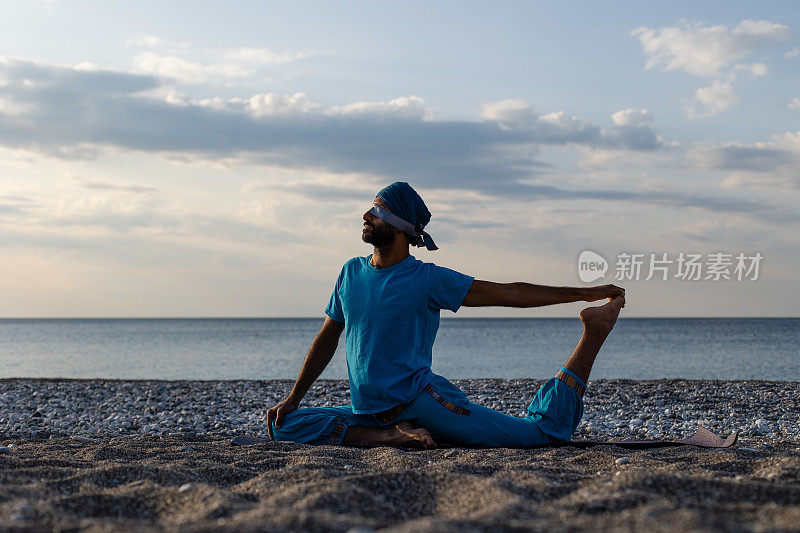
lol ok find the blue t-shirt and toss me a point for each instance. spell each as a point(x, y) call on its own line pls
point(391, 316)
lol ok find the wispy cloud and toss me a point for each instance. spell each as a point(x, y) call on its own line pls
point(754, 70)
point(108, 186)
point(189, 65)
point(185, 71)
point(706, 50)
point(149, 41)
point(772, 164)
point(710, 51)
point(318, 191)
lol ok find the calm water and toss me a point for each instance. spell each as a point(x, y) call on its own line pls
point(639, 348)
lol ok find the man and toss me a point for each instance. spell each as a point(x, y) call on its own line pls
point(388, 304)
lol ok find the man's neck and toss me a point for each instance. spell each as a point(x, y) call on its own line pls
point(386, 257)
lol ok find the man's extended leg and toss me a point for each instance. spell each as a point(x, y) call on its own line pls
point(597, 324)
point(451, 418)
point(552, 416)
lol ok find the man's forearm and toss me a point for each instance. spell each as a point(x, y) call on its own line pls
point(317, 358)
point(521, 294)
point(530, 295)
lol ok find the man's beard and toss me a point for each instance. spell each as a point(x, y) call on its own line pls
point(379, 236)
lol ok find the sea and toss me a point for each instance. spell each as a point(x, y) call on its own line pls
point(274, 348)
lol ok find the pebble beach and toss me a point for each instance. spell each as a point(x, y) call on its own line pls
point(106, 455)
point(613, 408)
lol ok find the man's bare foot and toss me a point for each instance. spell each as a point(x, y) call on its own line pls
point(402, 435)
point(601, 320)
point(405, 435)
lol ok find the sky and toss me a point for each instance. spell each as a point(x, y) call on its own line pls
point(206, 159)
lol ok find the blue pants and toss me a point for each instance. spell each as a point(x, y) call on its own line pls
point(445, 411)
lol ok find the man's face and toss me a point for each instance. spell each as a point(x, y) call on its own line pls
point(377, 232)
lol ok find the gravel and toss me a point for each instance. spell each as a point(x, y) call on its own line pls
point(94, 409)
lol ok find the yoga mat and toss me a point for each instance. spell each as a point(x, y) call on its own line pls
point(702, 438)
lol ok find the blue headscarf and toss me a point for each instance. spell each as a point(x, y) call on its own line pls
point(403, 201)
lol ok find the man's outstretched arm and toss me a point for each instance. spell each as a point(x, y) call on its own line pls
point(317, 358)
point(521, 294)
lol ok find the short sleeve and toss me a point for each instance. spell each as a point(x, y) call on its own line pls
point(448, 288)
point(334, 309)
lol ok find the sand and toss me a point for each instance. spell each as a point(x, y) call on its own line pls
point(104, 455)
point(171, 484)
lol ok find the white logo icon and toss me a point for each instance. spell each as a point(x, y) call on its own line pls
point(591, 266)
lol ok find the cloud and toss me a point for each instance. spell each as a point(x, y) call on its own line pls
point(757, 209)
point(188, 72)
point(89, 219)
point(38, 80)
point(794, 104)
point(706, 50)
point(107, 186)
point(72, 111)
point(763, 211)
point(557, 127)
point(772, 164)
point(236, 63)
point(262, 56)
point(756, 158)
point(791, 54)
point(182, 63)
point(632, 118)
point(511, 112)
point(317, 190)
point(75, 111)
point(632, 129)
point(5, 107)
point(719, 232)
point(10, 205)
point(710, 51)
point(716, 97)
point(755, 70)
point(145, 41)
point(406, 107)
point(258, 105)
point(271, 104)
